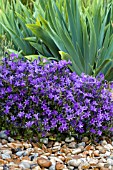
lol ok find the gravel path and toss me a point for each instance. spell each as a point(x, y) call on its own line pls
point(53, 155)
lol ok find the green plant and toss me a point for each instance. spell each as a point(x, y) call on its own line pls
point(13, 17)
point(81, 32)
point(45, 98)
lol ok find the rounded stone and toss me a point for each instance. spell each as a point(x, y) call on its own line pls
point(4, 141)
point(52, 167)
point(85, 139)
point(6, 156)
point(59, 166)
point(69, 139)
point(10, 139)
point(3, 135)
point(20, 153)
point(44, 140)
point(81, 144)
point(44, 163)
point(74, 162)
point(72, 145)
point(110, 161)
point(70, 167)
point(24, 165)
point(96, 153)
point(76, 151)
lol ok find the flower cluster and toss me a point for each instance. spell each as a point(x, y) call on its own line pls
point(51, 98)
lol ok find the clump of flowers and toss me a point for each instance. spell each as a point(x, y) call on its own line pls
point(50, 98)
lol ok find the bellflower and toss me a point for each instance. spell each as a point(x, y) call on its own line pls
point(50, 97)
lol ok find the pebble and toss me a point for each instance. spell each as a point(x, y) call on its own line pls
point(69, 139)
point(6, 156)
point(52, 167)
point(44, 163)
point(20, 153)
point(3, 135)
point(53, 155)
point(10, 139)
point(74, 162)
point(44, 140)
point(76, 151)
point(85, 139)
point(110, 161)
point(72, 145)
point(24, 165)
point(82, 144)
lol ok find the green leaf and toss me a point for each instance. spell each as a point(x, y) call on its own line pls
point(103, 65)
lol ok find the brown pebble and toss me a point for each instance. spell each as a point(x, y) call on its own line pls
point(4, 142)
point(96, 153)
point(59, 166)
point(2, 162)
point(44, 163)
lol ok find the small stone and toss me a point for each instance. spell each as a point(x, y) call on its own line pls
point(102, 151)
point(107, 153)
point(81, 144)
point(74, 162)
point(85, 139)
point(27, 145)
point(84, 165)
point(20, 153)
point(24, 165)
point(89, 147)
point(6, 156)
point(72, 145)
point(44, 163)
point(110, 161)
point(10, 139)
point(3, 135)
point(37, 168)
point(100, 165)
point(44, 140)
point(7, 152)
point(96, 153)
point(4, 141)
point(2, 162)
point(108, 147)
point(76, 151)
point(15, 145)
point(70, 167)
point(103, 142)
point(57, 144)
point(52, 167)
point(93, 162)
point(56, 148)
point(59, 166)
point(69, 139)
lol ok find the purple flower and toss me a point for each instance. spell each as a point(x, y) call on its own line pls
point(52, 98)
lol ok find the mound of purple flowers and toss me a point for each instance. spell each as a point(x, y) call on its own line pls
point(51, 98)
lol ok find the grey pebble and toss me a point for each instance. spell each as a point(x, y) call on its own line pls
point(74, 162)
point(82, 144)
point(70, 167)
point(44, 140)
point(5, 156)
point(69, 139)
point(24, 165)
point(10, 139)
point(110, 161)
point(52, 167)
point(3, 135)
point(20, 153)
point(76, 151)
